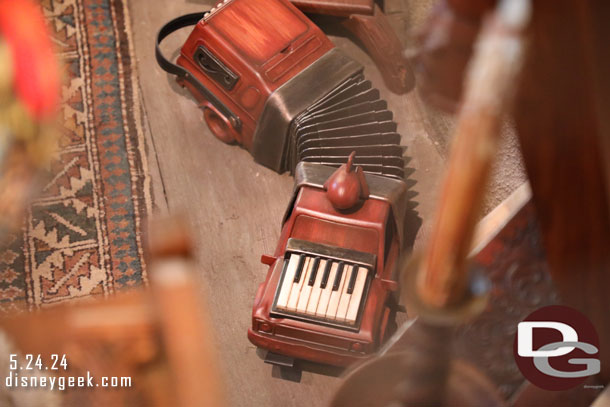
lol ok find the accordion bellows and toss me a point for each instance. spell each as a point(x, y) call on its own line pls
point(350, 118)
point(323, 114)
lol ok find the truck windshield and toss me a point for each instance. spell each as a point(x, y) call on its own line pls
point(336, 234)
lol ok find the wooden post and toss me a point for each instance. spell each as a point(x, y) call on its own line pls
point(489, 89)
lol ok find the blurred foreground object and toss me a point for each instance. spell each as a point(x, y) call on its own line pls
point(445, 47)
point(562, 115)
point(489, 90)
point(438, 285)
point(29, 97)
point(22, 396)
point(159, 338)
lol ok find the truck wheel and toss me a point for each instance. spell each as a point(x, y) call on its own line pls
point(218, 126)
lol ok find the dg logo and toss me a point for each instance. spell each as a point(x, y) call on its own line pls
point(556, 348)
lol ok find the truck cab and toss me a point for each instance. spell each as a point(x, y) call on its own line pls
point(240, 56)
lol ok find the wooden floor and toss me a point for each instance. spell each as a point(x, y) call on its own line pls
point(235, 206)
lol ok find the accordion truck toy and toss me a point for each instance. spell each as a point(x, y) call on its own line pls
point(328, 293)
point(270, 80)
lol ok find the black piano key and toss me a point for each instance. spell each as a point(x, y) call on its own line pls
point(338, 276)
point(314, 271)
point(297, 274)
point(326, 274)
point(352, 280)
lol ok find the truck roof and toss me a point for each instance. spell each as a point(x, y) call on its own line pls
point(260, 36)
point(392, 191)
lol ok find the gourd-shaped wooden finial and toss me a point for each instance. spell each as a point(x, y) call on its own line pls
point(347, 185)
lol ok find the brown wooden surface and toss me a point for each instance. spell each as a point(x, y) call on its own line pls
point(384, 46)
point(562, 120)
point(235, 206)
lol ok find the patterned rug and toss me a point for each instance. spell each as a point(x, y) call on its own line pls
point(81, 237)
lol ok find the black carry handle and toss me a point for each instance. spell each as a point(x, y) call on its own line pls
point(172, 26)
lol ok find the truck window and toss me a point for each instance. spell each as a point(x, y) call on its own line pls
point(389, 236)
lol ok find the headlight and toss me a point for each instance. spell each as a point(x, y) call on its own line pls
point(262, 326)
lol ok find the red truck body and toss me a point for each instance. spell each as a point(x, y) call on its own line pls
point(370, 229)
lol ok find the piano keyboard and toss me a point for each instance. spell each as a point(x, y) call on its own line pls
point(321, 288)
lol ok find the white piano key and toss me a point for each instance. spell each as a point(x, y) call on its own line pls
point(316, 291)
point(306, 288)
point(356, 299)
point(333, 303)
point(325, 296)
point(345, 297)
point(295, 291)
point(282, 299)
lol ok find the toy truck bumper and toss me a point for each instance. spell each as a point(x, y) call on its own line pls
point(305, 350)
